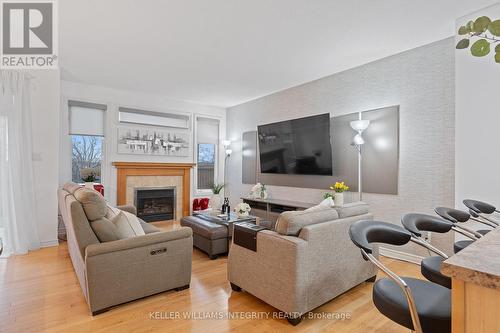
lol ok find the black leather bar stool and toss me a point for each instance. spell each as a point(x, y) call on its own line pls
point(457, 217)
point(480, 212)
point(430, 267)
point(419, 305)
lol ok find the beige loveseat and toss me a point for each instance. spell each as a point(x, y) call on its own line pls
point(307, 260)
point(118, 271)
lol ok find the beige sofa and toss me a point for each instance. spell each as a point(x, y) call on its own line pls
point(123, 270)
point(308, 261)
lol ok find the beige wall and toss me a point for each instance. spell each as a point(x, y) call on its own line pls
point(421, 81)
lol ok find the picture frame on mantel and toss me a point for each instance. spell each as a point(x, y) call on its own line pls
point(152, 141)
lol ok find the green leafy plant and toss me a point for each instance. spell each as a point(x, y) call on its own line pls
point(216, 188)
point(90, 178)
point(480, 36)
point(327, 195)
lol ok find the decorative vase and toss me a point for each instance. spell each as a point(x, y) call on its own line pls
point(263, 195)
point(244, 214)
point(89, 185)
point(339, 199)
point(215, 202)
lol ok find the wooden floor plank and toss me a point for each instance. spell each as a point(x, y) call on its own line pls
point(39, 292)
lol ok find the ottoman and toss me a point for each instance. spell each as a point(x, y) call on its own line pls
point(211, 238)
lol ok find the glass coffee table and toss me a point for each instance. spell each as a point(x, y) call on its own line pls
point(215, 216)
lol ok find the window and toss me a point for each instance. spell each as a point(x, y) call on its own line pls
point(206, 165)
point(86, 126)
point(207, 138)
point(86, 158)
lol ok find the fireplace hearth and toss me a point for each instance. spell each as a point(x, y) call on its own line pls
point(155, 203)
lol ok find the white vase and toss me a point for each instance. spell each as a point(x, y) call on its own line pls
point(89, 185)
point(339, 199)
point(216, 201)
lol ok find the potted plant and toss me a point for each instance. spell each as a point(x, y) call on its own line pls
point(216, 200)
point(242, 209)
point(327, 195)
point(263, 191)
point(88, 177)
point(339, 188)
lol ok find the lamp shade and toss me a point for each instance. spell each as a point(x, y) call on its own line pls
point(360, 125)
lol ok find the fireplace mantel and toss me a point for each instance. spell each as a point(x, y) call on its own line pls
point(125, 169)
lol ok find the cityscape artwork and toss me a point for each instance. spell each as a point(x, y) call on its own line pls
point(146, 141)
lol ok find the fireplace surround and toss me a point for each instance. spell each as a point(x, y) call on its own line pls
point(145, 174)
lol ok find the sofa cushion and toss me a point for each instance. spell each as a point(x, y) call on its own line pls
point(105, 230)
point(93, 203)
point(111, 211)
point(127, 225)
point(71, 187)
point(290, 223)
point(353, 209)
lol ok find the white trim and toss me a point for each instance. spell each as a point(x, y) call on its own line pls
point(49, 243)
point(395, 254)
point(219, 162)
point(66, 147)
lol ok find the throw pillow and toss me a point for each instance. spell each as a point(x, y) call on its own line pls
point(105, 230)
point(127, 225)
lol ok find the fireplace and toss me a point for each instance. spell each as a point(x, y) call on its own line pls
point(155, 203)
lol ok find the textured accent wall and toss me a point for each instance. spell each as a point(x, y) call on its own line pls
point(421, 81)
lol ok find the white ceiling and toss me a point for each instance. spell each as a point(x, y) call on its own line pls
point(226, 52)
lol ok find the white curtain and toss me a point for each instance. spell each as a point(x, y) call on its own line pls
point(17, 200)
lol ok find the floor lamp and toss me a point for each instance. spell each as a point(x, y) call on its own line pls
point(228, 152)
point(359, 126)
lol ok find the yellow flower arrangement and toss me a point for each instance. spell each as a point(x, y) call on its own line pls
point(339, 187)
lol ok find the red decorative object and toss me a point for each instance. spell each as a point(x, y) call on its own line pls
point(200, 204)
point(196, 204)
point(99, 188)
point(204, 203)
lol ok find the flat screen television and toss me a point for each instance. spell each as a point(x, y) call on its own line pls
point(299, 146)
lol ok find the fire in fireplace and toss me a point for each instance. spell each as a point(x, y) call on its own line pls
point(155, 203)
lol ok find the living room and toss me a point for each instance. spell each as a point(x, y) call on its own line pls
point(249, 166)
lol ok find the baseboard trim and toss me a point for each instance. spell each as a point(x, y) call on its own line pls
point(49, 243)
point(395, 254)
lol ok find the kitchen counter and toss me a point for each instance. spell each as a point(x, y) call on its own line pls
point(478, 263)
point(475, 292)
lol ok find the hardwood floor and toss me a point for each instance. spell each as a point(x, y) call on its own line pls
point(39, 292)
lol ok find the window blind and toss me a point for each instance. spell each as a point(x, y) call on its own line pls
point(86, 118)
point(144, 117)
point(207, 130)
